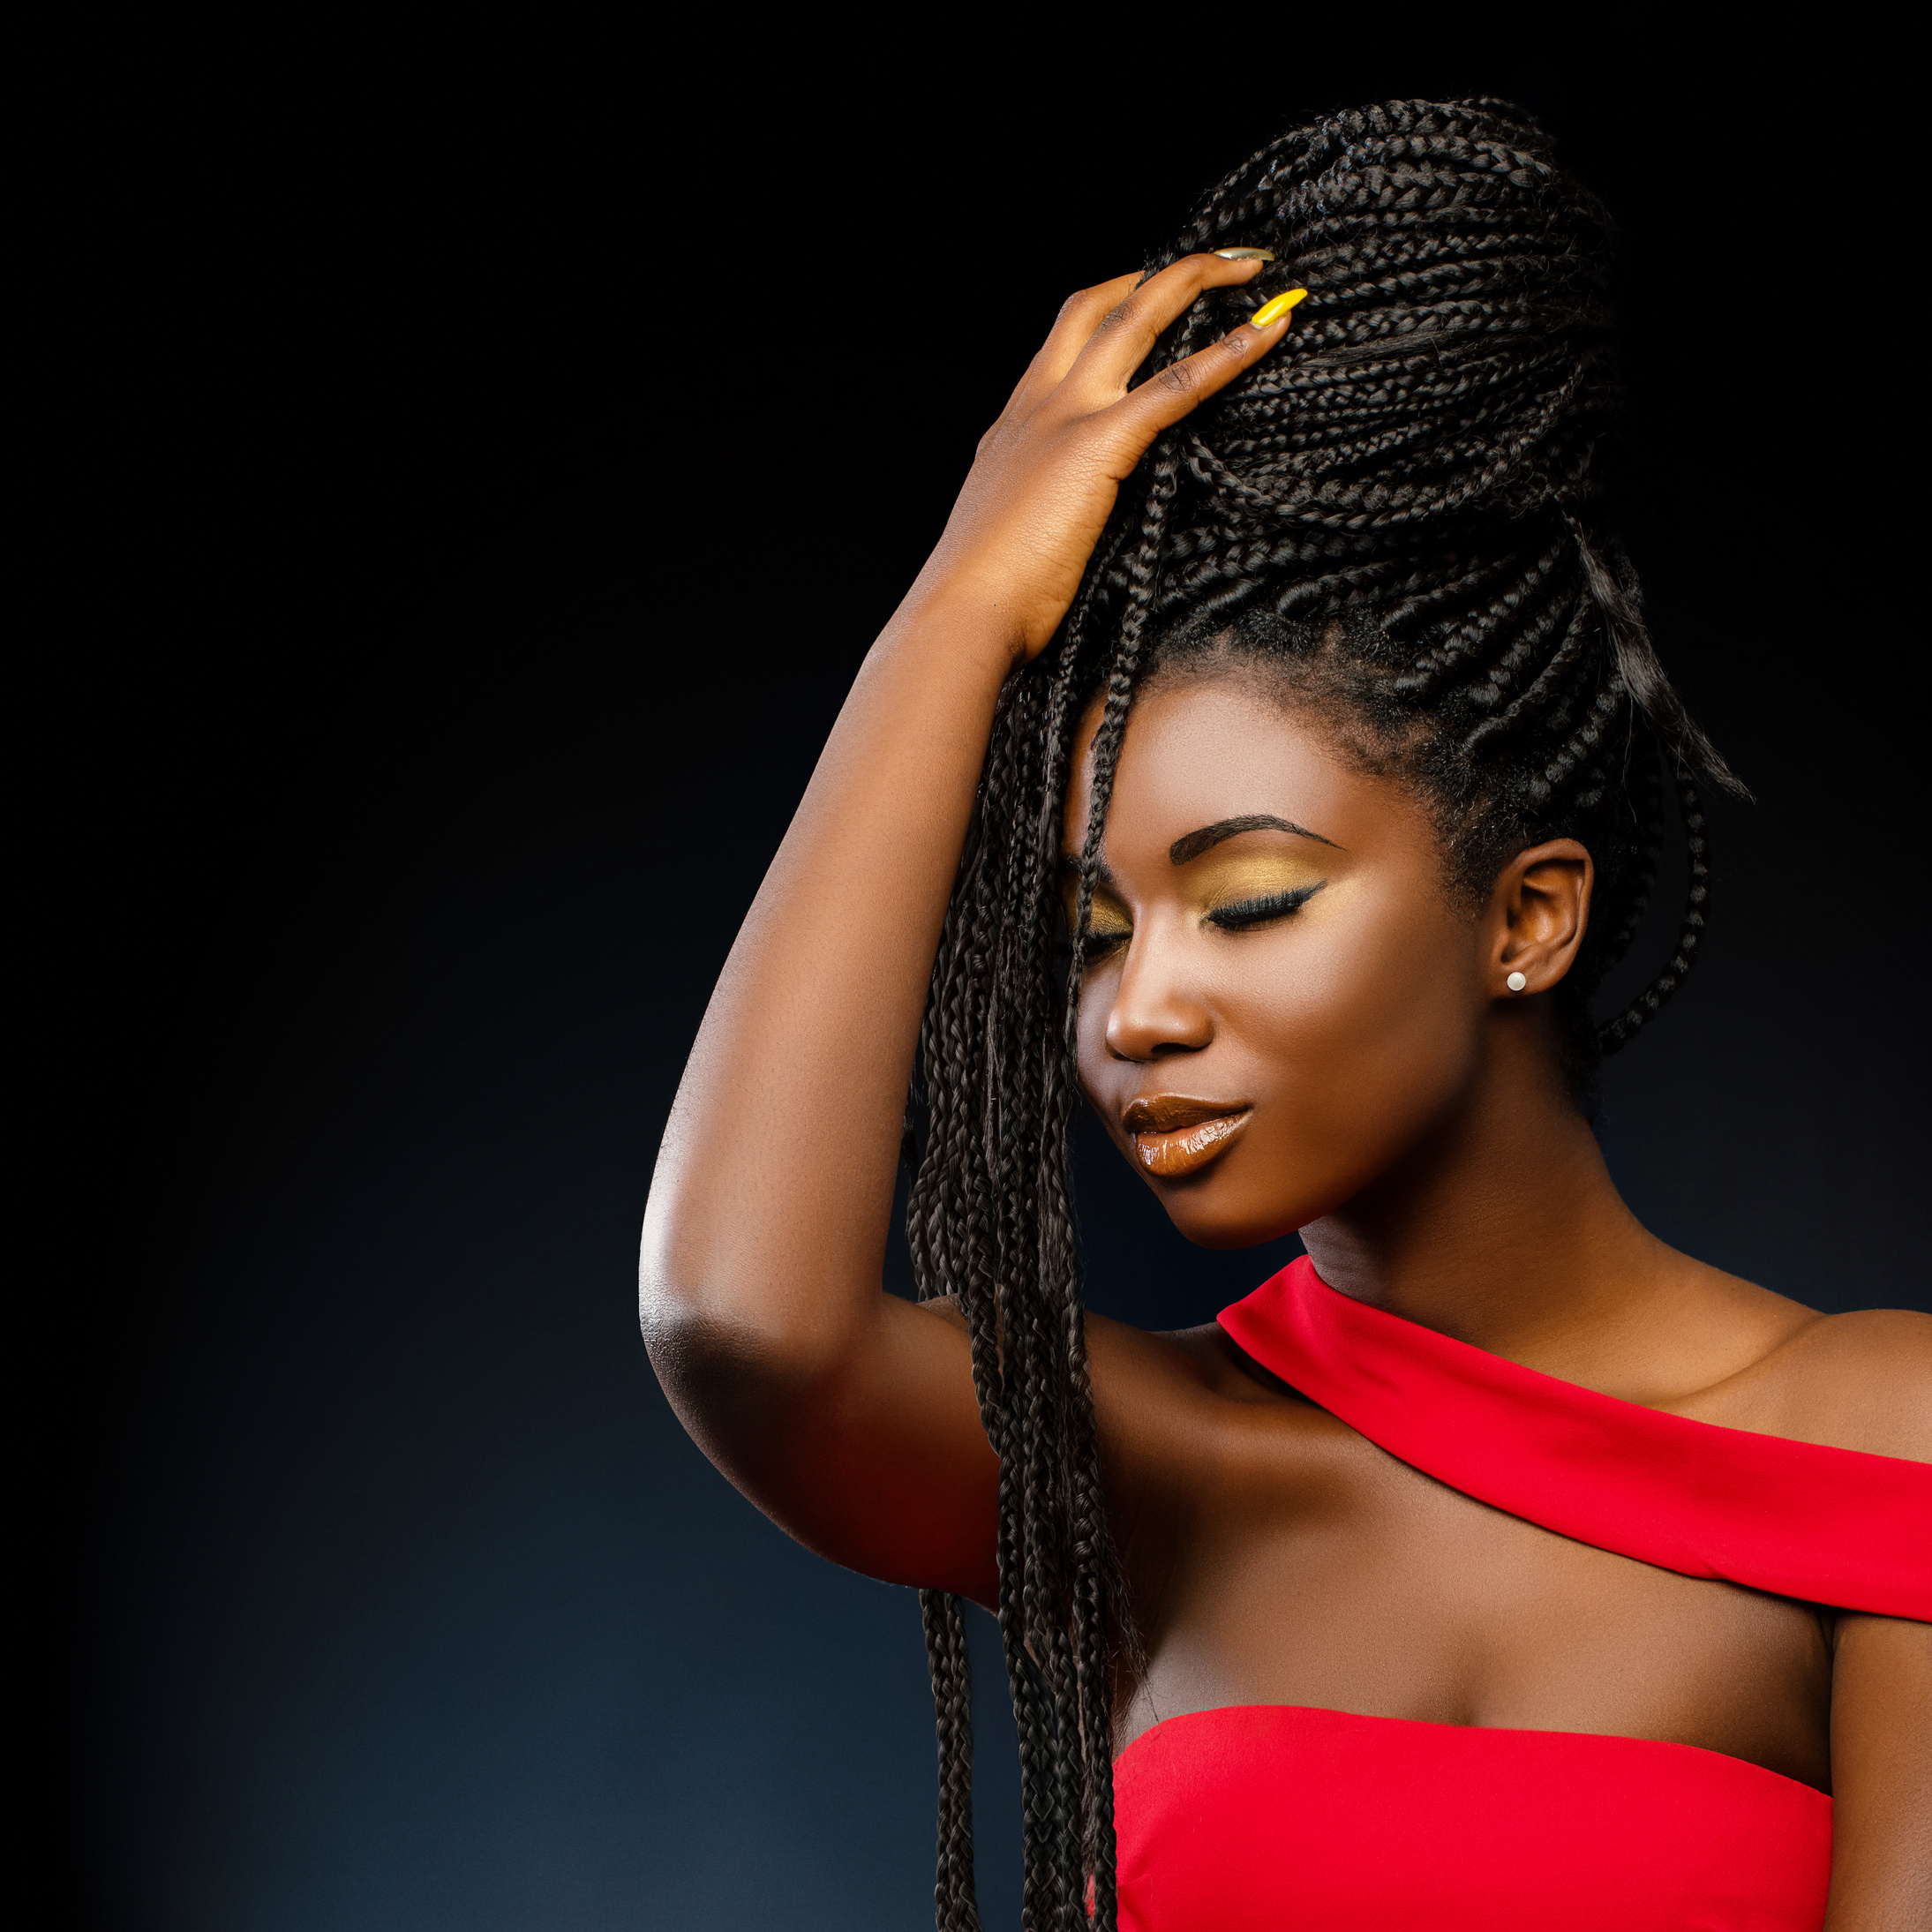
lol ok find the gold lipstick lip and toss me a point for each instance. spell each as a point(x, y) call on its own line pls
point(1162, 1113)
point(1186, 1149)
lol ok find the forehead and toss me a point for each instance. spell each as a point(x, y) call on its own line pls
point(1200, 751)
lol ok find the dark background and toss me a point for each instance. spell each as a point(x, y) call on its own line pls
point(475, 473)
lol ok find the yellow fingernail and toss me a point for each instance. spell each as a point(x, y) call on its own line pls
point(1245, 254)
point(1273, 312)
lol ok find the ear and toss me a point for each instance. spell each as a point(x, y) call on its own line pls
point(1537, 914)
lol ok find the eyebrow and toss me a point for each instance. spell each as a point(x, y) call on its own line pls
point(1194, 843)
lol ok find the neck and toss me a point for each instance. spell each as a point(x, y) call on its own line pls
point(1502, 1228)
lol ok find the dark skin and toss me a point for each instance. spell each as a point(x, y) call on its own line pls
point(1401, 1107)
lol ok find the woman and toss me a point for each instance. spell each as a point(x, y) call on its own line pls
point(1273, 745)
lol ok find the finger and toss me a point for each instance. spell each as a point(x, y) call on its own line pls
point(1164, 398)
point(1121, 340)
point(1072, 328)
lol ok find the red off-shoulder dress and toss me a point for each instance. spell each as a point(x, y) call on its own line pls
point(1295, 1820)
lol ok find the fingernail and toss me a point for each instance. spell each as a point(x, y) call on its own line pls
point(1270, 312)
point(1245, 254)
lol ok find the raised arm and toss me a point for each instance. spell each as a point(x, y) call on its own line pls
point(847, 1414)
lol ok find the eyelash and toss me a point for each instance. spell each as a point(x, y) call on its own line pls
point(1243, 916)
point(1249, 912)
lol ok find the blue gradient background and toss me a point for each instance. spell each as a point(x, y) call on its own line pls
point(389, 1595)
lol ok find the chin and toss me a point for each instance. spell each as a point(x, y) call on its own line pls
point(1226, 1223)
point(1227, 1239)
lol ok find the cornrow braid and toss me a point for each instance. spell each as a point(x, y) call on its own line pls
point(1650, 1003)
point(1400, 516)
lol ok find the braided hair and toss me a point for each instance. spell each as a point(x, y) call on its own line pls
point(1400, 518)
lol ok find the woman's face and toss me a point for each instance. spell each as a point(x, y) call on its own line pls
point(1282, 998)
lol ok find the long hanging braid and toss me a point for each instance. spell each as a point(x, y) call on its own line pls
point(1399, 513)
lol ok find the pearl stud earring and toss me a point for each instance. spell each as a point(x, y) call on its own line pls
point(1515, 983)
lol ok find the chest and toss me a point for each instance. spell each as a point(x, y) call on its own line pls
point(1296, 1563)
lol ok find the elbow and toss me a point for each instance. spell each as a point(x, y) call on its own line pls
point(716, 1276)
point(722, 1334)
point(740, 1385)
point(685, 1279)
point(694, 1323)
point(706, 1367)
point(702, 1327)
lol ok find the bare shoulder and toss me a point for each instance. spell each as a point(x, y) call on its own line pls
point(1135, 1367)
point(1184, 1364)
point(1180, 1412)
point(1861, 1380)
point(1147, 1374)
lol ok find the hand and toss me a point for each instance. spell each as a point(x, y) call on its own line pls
point(1046, 475)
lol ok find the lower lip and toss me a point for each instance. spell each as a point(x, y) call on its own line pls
point(1186, 1150)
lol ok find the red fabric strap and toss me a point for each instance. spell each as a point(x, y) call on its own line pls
point(1828, 1526)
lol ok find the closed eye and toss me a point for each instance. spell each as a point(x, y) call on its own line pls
point(1244, 915)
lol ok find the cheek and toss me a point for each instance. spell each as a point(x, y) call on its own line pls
point(1365, 1038)
point(1370, 1022)
point(1090, 1037)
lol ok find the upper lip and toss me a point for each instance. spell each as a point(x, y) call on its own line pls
point(1168, 1113)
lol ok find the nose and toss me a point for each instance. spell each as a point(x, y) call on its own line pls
point(1155, 1013)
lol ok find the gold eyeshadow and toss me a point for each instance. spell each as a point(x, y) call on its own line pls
point(1229, 879)
point(1107, 917)
point(1238, 877)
